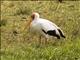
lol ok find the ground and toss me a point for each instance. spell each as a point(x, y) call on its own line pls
point(19, 44)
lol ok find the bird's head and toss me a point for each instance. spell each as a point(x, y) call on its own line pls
point(34, 15)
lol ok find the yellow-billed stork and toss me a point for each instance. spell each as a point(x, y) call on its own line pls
point(45, 27)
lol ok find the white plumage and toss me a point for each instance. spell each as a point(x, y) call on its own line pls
point(45, 27)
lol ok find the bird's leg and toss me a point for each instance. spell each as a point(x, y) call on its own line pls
point(46, 40)
point(40, 42)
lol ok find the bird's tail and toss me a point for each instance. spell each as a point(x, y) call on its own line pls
point(61, 33)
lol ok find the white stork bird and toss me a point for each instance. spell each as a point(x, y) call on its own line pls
point(45, 27)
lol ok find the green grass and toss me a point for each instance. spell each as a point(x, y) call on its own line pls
point(17, 44)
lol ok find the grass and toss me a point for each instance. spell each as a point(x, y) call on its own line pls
point(17, 44)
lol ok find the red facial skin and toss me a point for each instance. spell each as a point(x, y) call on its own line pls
point(33, 16)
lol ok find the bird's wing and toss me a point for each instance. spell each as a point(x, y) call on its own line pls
point(51, 23)
point(47, 25)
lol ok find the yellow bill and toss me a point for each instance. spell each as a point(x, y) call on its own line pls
point(27, 24)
